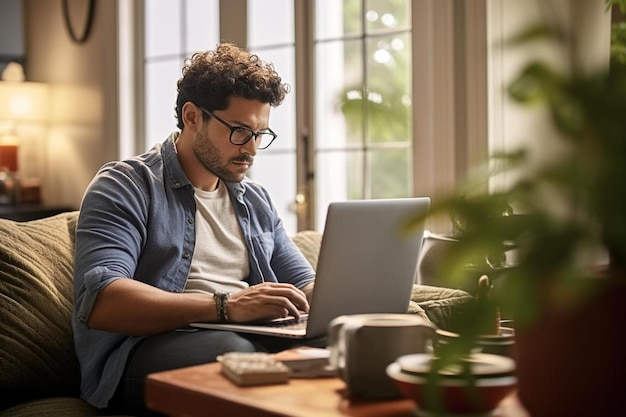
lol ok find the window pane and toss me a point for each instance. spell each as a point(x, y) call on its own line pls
point(340, 175)
point(389, 89)
point(162, 28)
point(390, 172)
point(202, 25)
point(277, 172)
point(336, 18)
point(387, 15)
point(338, 104)
point(270, 22)
point(362, 101)
point(160, 104)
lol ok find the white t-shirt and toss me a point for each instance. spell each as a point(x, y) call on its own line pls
point(220, 259)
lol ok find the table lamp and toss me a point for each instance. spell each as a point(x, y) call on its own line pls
point(20, 102)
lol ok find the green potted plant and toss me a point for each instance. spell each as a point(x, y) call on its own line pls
point(567, 289)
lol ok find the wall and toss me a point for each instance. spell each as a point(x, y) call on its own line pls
point(83, 131)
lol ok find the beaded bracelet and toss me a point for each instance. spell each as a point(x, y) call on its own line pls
point(221, 300)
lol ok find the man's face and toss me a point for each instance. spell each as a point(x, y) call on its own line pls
point(213, 149)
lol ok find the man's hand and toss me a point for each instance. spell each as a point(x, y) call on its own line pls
point(267, 301)
point(131, 307)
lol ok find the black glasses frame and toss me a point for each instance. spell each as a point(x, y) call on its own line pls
point(251, 133)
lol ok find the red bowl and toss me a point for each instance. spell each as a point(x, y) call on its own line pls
point(494, 379)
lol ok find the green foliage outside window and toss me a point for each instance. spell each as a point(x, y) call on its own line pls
point(376, 101)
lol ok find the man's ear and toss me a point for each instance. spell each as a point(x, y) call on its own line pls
point(192, 116)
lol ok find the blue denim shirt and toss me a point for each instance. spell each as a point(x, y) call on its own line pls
point(137, 221)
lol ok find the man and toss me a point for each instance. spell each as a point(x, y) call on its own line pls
point(179, 235)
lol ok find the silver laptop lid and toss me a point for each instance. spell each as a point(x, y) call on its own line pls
point(367, 261)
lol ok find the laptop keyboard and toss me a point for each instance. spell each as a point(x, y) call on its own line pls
point(288, 322)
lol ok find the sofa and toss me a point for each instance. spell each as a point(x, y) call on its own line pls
point(39, 372)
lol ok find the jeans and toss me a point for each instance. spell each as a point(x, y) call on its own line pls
point(182, 348)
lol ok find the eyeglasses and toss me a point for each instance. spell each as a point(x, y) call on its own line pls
point(240, 135)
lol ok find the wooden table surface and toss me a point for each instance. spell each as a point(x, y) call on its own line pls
point(202, 390)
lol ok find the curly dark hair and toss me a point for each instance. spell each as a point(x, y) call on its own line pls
point(210, 78)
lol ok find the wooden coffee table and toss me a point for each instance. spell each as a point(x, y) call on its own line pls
point(202, 390)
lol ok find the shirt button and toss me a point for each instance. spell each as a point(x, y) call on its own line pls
point(190, 220)
point(186, 255)
point(177, 184)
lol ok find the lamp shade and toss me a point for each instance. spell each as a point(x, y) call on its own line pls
point(23, 101)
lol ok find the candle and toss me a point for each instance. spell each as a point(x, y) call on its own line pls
point(8, 157)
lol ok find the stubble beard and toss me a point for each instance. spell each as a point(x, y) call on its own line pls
point(211, 159)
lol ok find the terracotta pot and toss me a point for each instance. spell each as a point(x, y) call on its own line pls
point(500, 344)
point(574, 363)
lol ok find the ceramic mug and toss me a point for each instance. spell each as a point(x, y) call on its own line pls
point(362, 345)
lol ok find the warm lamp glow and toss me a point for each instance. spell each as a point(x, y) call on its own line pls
point(23, 101)
point(20, 102)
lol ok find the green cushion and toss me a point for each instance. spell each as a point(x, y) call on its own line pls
point(36, 297)
point(309, 241)
point(444, 306)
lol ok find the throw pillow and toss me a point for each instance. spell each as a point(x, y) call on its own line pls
point(36, 296)
point(309, 241)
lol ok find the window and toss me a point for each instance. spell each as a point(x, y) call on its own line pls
point(363, 140)
point(271, 34)
point(174, 29)
point(388, 96)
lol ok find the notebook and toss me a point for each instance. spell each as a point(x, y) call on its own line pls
point(367, 264)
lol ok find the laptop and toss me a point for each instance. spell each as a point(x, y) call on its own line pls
point(367, 264)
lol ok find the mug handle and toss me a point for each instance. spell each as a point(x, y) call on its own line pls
point(334, 329)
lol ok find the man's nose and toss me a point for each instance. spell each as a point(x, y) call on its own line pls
point(249, 147)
